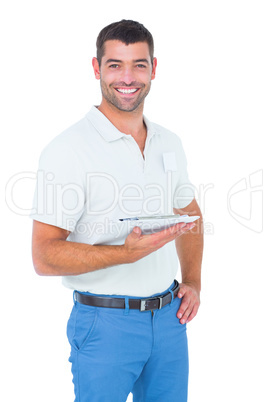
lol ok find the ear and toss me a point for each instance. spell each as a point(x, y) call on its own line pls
point(154, 68)
point(96, 68)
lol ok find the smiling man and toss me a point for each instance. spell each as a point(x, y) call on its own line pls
point(129, 94)
point(127, 328)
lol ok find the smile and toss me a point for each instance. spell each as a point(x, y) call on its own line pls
point(127, 91)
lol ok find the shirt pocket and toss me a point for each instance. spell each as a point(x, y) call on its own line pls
point(169, 162)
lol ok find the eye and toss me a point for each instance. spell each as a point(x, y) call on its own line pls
point(141, 66)
point(114, 66)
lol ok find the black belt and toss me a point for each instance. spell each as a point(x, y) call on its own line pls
point(149, 303)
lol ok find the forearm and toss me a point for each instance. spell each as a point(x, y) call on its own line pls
point(54, 255)
point(190, 251)
point(62, 258)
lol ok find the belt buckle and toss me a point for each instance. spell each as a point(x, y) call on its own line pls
point(144, 301)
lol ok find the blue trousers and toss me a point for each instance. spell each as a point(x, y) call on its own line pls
point(118, 351)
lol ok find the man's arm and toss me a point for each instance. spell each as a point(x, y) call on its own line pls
point(190, 252)
point(53, 255)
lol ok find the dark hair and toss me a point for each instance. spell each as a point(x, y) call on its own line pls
point(128, 32)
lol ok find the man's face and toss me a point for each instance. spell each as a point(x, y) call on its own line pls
point(125, 74)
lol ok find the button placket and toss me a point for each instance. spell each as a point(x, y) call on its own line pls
point(132, 145)
point(145, 152)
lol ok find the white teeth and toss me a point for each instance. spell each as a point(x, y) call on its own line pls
point(127, 91)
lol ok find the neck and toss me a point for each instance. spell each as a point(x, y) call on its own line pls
point(126, 122)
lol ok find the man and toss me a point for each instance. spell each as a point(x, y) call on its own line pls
point(127, 329)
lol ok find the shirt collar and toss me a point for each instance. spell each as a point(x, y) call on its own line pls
point(107, 130)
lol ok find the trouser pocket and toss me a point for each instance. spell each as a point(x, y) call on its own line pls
point(81, 325)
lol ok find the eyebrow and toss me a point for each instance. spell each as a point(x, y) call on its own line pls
point(120, 61)
point(142, 61)
point(113, 61)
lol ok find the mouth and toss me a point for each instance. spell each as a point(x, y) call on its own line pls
point(127, 91)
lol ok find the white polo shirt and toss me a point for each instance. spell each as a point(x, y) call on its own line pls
point(92, 175)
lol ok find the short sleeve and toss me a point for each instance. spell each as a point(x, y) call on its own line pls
point(184, 190)
point(59, 196)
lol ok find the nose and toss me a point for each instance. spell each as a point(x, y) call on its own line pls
point(127, 75)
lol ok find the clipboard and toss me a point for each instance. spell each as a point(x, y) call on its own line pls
point(154, 223)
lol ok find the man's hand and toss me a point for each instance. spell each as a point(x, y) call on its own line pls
point(190, 302)
point(53, 255)
point(138, 246)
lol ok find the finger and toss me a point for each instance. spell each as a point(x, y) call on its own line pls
point(164, 236)
point(178, 227)
point(181, 292)
point(136, 232)
point(183, 307)
point(193, 313)
point(186, 314)
point(169, 232)
point(182, 227)
point(161, 234)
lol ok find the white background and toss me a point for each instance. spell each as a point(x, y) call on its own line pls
point(211, 88)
